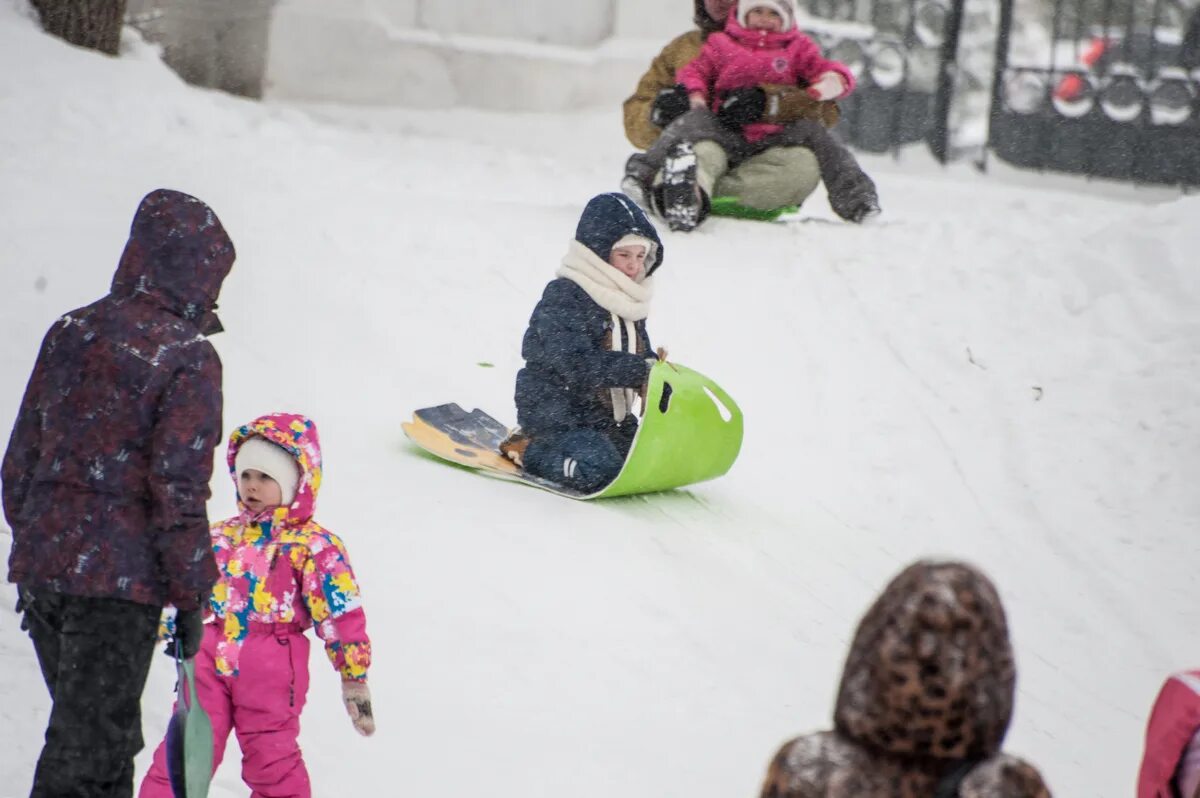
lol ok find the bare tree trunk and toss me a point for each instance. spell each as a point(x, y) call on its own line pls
point(95, 24)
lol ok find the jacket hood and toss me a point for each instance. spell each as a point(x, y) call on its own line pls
point(298, 436)
point(607, 219)
point(178, 253)
point(930, 672)
point(704, 22)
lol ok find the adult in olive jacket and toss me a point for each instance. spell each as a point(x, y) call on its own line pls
point(925, 701)
point(784, 171)
point(105, 481)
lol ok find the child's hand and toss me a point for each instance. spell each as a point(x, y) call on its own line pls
point(697, 100)
point(357, 698)
point(828, 86)
point(662, 354)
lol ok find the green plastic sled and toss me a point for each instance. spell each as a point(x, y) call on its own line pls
point(732, 207)
point(690, 432)
point(189, 738)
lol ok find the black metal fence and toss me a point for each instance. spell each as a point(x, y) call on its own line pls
point(902, 54)
point(1106, 88)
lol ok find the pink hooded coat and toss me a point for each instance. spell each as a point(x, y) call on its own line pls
point(740, 58)
point(283, 567)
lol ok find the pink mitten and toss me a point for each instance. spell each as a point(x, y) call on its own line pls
point(357, 697)
point(829, 86)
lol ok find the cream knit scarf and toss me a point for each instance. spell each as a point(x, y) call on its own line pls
point(607, 287)
point(628, 301)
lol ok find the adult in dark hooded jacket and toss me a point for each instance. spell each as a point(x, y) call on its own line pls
point(587, 353)
point(105, 483)
point(925, 701)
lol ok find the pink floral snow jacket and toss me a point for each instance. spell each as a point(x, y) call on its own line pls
point(739, 57)
point(282, 567)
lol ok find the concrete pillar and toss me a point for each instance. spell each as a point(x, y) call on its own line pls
point(220, 44)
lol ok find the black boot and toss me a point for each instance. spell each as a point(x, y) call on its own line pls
point(683, 203)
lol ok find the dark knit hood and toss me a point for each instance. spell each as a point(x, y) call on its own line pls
point(930, 673)
point(179, 254)
point(607, 218)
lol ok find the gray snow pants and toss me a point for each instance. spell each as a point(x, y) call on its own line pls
point(762, 172)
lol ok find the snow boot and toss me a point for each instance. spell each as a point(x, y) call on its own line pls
point(683, 203)
point(513, 447)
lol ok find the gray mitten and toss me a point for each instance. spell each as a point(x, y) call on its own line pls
point(357, 698)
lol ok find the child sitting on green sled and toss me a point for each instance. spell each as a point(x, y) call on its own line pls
point(587, 354)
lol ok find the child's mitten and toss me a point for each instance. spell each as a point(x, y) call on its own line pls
point(357, 698)
point(670, 104)
point(829, 86)
point(742, 106)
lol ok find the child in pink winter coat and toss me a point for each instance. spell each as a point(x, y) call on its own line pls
point(761, 44)
point(281, 572)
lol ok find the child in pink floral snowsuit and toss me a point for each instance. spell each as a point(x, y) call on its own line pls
point(281, 572)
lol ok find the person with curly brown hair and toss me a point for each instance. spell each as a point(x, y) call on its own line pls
point(925, 700)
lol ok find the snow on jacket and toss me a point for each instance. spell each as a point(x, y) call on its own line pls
point(927, 691)
point(1173, 723)
point(740, 57)
point(282, 567)
point(571, 363)
point(107, 471)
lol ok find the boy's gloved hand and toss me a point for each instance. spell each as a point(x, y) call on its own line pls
point(189, 631)
point(669, 105)
point(743, 106)
point(357, 698)
point(829, 86)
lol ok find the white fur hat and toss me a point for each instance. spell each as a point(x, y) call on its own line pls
point(784, 8)
point(635, 240)
point(260, 454)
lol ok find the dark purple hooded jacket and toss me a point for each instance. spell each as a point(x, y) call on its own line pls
point(106, 475)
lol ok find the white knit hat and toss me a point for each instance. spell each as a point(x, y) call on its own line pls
point(784, 8)
point(260, 454)
point(635, 240)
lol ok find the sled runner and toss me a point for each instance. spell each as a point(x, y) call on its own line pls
point(731, 207)
point(189, 738)
point(691, 432)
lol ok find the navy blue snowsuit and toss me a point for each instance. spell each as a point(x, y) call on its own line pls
point(563, 394)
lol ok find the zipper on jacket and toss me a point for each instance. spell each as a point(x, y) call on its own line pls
point(284, 641)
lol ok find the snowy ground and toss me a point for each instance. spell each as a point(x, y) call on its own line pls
point(1002, 369)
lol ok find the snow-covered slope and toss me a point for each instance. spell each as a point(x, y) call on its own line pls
point(1003, 369)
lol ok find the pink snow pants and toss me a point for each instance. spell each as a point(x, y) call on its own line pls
point(261, 705)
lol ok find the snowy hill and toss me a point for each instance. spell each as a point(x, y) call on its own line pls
point(1002, 369)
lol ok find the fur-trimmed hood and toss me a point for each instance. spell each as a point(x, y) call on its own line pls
point(930, 672)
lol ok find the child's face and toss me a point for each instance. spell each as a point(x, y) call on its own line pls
point(767, 19)
point(258, 491)
point(629, 261)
